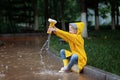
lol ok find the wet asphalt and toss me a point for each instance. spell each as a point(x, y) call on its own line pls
point(20, 59)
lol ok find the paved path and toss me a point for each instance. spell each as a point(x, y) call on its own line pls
point(20, 59)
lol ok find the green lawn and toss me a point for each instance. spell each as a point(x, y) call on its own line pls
point(102, 49)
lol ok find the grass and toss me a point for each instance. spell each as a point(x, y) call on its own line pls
point(102, 49)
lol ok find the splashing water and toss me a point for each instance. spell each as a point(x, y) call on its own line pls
point(50, 72)
point(44, 48)
point(41, 61)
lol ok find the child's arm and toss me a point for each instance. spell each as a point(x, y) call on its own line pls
point(67, 36)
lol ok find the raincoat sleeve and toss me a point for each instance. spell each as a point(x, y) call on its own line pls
point(67, 36)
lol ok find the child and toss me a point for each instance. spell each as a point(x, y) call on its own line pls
point(76, 43)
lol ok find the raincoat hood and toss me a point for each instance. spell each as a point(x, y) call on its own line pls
point(79, 26)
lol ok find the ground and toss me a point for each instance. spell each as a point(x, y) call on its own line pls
point(20, 59)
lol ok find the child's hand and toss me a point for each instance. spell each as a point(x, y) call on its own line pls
point(52, 29)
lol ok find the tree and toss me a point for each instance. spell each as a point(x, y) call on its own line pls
point(83, 17)
point(113, 13)
point(62, 9)
point(46, 14)
point(117, 13)
point(35, 15)
point(96, 15)
point(113, 4)
point(55, 8)
point(96, 11)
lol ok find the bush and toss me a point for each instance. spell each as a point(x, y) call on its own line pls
point(9, 28)
point(4, 28)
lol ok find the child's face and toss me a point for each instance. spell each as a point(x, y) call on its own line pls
point(72, 31)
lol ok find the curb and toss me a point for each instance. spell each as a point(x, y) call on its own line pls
point(99, 74)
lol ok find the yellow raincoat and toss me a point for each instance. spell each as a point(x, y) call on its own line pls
point(76, 44)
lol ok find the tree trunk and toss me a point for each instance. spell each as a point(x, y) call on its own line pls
point(83, 17)
point(62, 21)
point(46, 14)
point(113, 14)
point(96, 16)
point(35, 15)
point(117, 10)
point(55, 9)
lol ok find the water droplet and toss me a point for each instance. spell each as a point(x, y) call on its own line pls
point(6, 67)
point(20, 56)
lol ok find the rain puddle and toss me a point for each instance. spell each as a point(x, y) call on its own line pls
point(20, 59)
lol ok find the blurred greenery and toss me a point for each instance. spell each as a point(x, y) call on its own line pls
point(102, 48)
point(17, 16)
point(9, 28)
